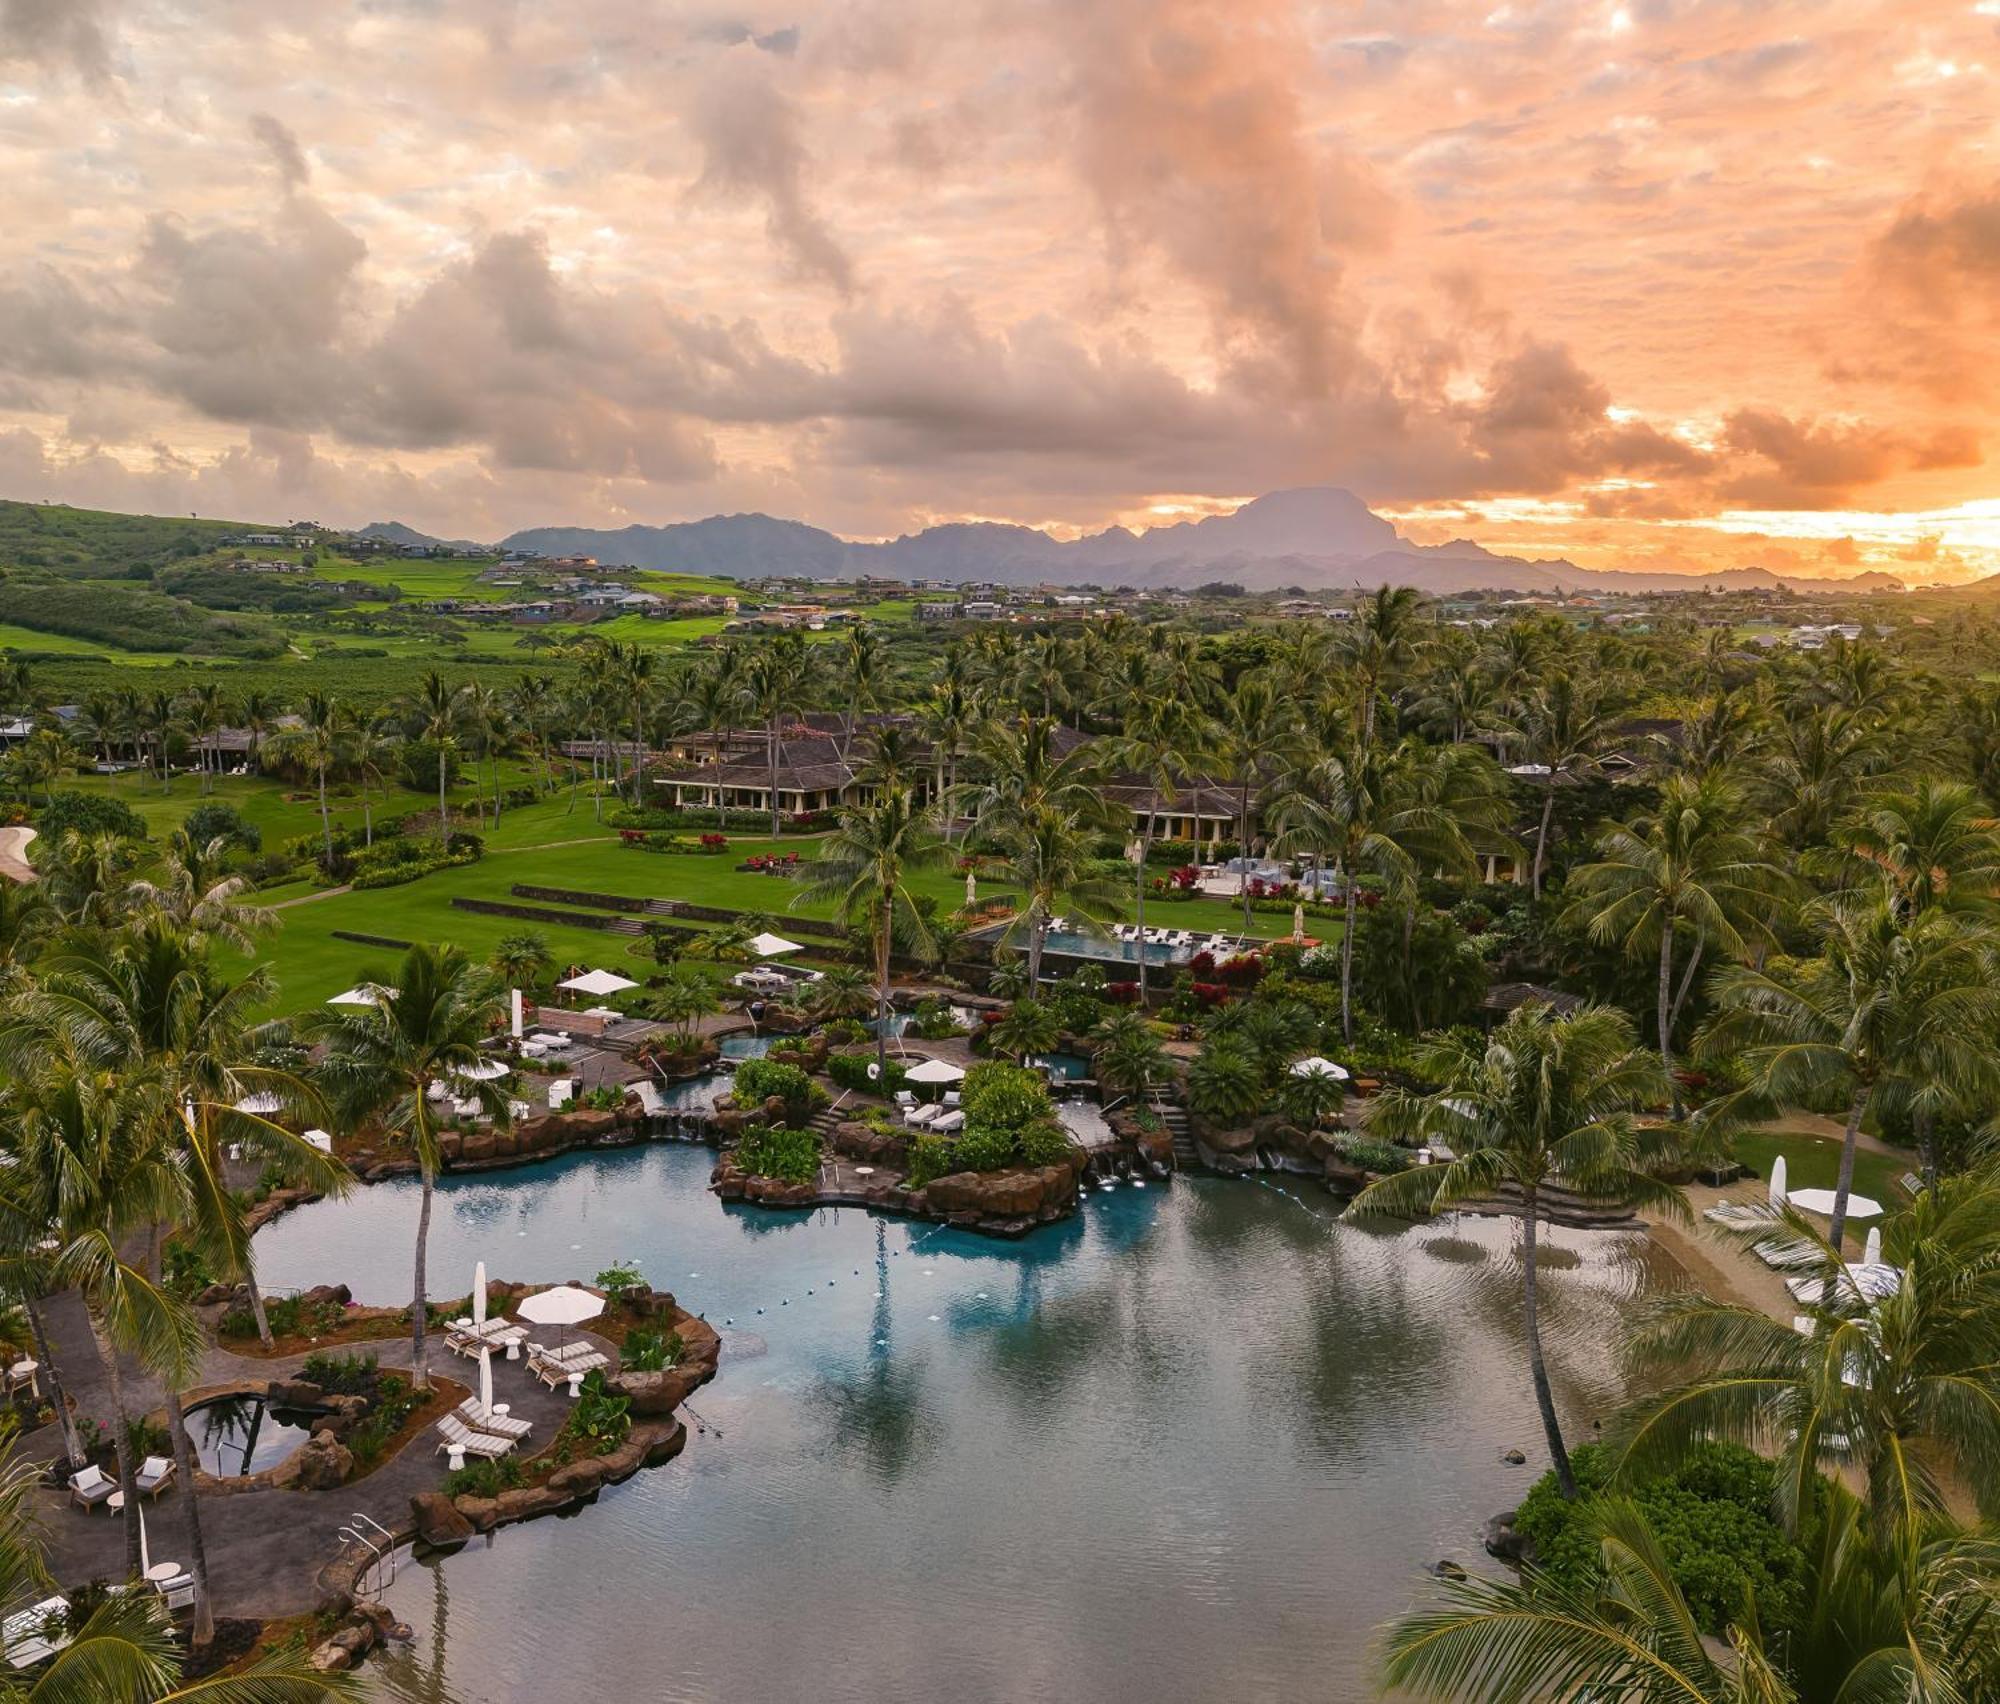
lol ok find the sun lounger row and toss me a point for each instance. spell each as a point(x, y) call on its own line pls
point(496, 1334)
point(1176, 938)
point(27, 1633)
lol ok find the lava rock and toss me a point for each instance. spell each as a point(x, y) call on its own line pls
point(1514, 1458)
point(319, 1464)
point(439, 1522)
point(1505, 1541)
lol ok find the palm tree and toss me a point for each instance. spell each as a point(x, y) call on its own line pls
point(841, 992)
point(775, 682)
point(1877, 1627)
point(1563, 729)
point(684, 997)
point(260, 712)
point(1128, 1055)
point(382, 1059)
point(195, 891)
point(318, 744)
point(1255, 725)
point(160, 717)
point(205, 714)
point(534, 701)
point(1935, 845)
point(864, 867)
point(1163, 736)
point(1051, 857)
point(1381, 641)
point(438, 712)
point(1820, 760)
point(637, 671)
point(126, 1650)
point(948, 718)
point(1686, 868)
point(1030, 1027)
point(1546, 1102)
point(1898, 1389)
point(1912, 1007)
point(486, 724)
point(1227, 1081)
point(369, 746)
point(521, 961)
point(861, 671)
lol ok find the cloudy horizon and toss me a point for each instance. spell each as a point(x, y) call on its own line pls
point(1660, 284)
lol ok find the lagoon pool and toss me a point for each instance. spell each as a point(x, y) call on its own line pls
point(1196, 1443)
point(1074, 944)
point(745, 1046)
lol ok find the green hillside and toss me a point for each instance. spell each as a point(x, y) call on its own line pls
point(97, 543)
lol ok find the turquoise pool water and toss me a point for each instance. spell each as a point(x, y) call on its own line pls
point(745, 1046)
point(1065, 1067)
point(1072, 944)
point(1195, 1444)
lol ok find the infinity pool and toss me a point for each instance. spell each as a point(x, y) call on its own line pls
point(1195, 1444)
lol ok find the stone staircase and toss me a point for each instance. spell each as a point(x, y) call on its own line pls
point(1186, 1156)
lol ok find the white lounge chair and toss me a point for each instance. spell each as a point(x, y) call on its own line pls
point(905, 1099)
point(90, 1487)
point(947, 1122)
point(485, 1420)
point(921, 1116)
point(553, 1372)
point(155, 1474)
point(453, 1431)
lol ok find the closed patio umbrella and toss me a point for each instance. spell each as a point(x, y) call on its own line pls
point(1778, 1181)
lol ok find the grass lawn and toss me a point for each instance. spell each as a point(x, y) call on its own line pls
point(1813, 1162)
point(16, 638)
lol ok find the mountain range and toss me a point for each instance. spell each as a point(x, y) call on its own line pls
point(1314, 537)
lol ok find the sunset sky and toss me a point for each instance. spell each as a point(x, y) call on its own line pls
point(1660, 283)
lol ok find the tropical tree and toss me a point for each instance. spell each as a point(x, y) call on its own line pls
point(1907, 1006)
point(381, 1060)
point(1030, 1027)
point(864, 867)
point(1918, 1630)
point(1382, 639)
point(1052, 858)
point(1897, 1389)
point(842, 991)
point(523, 960)
point(1687, 868)
point(1936, 845)
point(683, 998)
point(1227, 1081)
point(1163, 736)
point(318, 744)
point(1546, 1102)
point(1563, 729)
point(1127, 1053)
point(775, 682)
point(437, 711)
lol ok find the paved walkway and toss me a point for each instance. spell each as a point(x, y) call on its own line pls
point(14, 863)
point(264, 1547)
point(308, 898)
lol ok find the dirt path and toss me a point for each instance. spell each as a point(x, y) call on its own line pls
point(308, 898)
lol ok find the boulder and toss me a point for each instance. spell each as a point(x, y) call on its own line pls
point(1505, 1541)
point(579, 1479)
point(1238, 1141)
point(482, 1512)
point(526, 1503)
point(336, 1295)
point(1030, 1193)
point(476, 1148)
point(656, 1393)
point(293, 1393)
point(450, 1145)
point(439, 1522)
point(319, 1464)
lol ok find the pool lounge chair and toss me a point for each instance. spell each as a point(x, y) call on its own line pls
point(920, 1116)
point(574, 1350)
point(946, 1123)
point(485, 1420)
point(454, 1431)
point(553, 1373)
point(155, 1474)
point(25, 1633)
point(90, 1487)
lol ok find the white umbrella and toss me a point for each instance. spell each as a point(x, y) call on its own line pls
point(1317, 1065)
point(145, 1551)
point(262, 1104)
point(1872, 1255)
point(599, 982)
point(1778, 1181)
point(565, 1305)
point(486, 1378)
point(478, 1294)
point(934, 1071)
point(365, 994)
point(772, 946)
point(486, 1071)
point(1820, 1201)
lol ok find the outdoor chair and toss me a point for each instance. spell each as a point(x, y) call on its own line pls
point(948, 1122)
point(573, 1351)
point(452, 1430)
point(485, 1420)
point(21, 1376)
point(553, 1373)
point(920, 1116)
point(91, 1487)
point(155, 1474)
point(952, 1097)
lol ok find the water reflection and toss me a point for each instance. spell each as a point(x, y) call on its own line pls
point(1196, 1443)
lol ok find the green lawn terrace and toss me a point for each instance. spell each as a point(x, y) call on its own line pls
point(556, 842)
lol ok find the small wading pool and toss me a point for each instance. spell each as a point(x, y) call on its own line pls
point(1064, 1067)
point(746, 1046)
point(235, 1435)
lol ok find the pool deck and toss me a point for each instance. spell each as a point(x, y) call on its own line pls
point(265, 1547)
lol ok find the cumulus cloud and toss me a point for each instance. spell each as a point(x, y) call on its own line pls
point(751, 141)
point(283, 147)
point(58, 34)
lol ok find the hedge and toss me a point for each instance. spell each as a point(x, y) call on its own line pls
point(850, 1071)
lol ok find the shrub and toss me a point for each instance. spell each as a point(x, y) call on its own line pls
point(792, 1156)
point(757, 1080)
point(485, 1477)
point(340, 1375)
point(89, 813)
point(1713, 1516)
point(649, 1352)
point(931, 1157)
point(850, 1071)
point(600, 1420)
point(394, 1403)
point(1375, 1156)
point(619, 1280)
point(216, 820)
